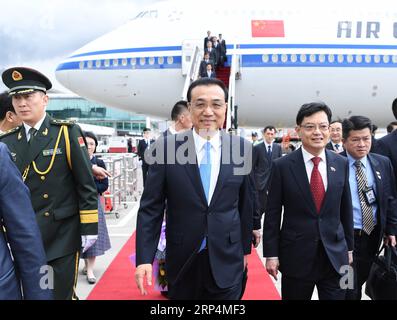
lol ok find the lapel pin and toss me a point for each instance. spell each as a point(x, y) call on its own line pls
point(378, 174)
point(333, 169)
point(19, 136)
point(45, 132)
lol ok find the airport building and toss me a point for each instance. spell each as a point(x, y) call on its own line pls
point(72, 107)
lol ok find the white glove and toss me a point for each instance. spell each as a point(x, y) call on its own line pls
point(88, 241)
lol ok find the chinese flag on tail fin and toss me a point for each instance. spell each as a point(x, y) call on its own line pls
point(267, 28)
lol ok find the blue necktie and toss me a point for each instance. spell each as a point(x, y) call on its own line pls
point(269, 152)
point(205, 174)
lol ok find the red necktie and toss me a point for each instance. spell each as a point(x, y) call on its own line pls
point(317, 185)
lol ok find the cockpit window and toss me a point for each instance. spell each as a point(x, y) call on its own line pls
point(150, 14)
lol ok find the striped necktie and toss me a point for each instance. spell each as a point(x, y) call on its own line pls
point(366, 209)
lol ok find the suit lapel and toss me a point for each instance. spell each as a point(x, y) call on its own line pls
point(331, 177)
point(21, 148)
point(191, 167)
point(298, 170)
point(226, 169)
point(40, 141)
point(377, 171)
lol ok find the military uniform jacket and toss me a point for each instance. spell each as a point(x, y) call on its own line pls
point(57, 170)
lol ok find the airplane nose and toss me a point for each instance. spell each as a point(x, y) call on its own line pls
point(62, 75)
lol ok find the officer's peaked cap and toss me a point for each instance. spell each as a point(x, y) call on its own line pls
point(21, 80)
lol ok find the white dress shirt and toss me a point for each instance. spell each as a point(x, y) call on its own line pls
point(322, 166)
point(340, 147)
point(37, 127)
point(215, 152)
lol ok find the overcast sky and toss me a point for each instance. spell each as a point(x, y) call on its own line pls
point(41, 33)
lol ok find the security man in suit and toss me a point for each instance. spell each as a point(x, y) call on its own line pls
point(22, 256)
point(387, 145)
point(373, 192)
point(52, 157)
point(143, 144)
point(335, 143)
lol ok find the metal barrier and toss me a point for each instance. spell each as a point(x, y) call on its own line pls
point(123, 184)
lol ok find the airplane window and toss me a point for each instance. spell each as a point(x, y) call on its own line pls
point(115, 62)
point(321, 58)
point(394, 59)
point(170, 60)
point(331, 58)
point(359, 58)
point(124, 62)
point(275, 58)
point(377, 58)
point(313, 58)
point(81, 65)
point(151, 61)
point(133, 61)
point(107, 63)
point(368, 58)
point(98, 63)
point(142, 61)
point(284, 58)
point(161, 60)
point(89, 64)
point(265, 58)
point(349, 58)
point(302, 58)
point(294, 58)
point(341, 58)
point(386, 59)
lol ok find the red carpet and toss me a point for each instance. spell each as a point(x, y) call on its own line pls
point(118, 282)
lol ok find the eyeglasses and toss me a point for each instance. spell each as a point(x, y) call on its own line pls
point(335, 129)
point(311, 127)
point(201, 105)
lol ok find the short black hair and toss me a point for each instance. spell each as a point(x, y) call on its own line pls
point(146, 130)
point(178, 109)
point(254, 134)
point(5, 104)
point(394, 108)
point(207, 82)
point(336, 121)
point(311, 108)
point(390, 126)
point(355, 123)
point(269, 128)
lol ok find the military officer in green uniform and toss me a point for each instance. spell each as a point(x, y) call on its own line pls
point(53, 160)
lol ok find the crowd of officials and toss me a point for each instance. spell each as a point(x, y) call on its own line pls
point(327, 205)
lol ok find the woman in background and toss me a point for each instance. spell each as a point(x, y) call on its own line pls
point(103, 242)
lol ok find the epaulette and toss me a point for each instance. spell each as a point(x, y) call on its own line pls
point(11, 131)
point(62, 122)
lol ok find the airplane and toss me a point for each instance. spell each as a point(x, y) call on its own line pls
point(281, 54)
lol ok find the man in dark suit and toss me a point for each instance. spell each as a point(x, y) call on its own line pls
point(209, 224)
point(143, 144)
point(209, 72)
point(212, 53)
point(263, 155)
point(311, 184)
point(387, 145)
point(206, 39)
point(373, 192)
point(22, 234)
point(335, 144)
point(203, 64)
point(223, 50)
point(53, 159)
